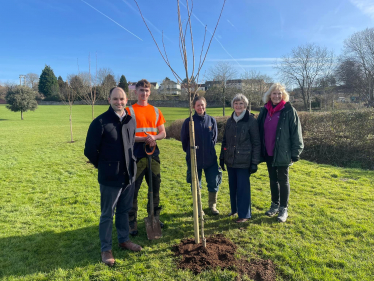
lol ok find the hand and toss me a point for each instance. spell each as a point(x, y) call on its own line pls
point(295, 159)
point(253, 169)
point(150, 140)
point(222, 164)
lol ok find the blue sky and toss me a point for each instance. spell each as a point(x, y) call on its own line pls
point(251, 34)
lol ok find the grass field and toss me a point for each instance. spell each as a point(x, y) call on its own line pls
point(49, 210)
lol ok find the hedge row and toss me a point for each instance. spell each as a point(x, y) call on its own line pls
point(341, 138)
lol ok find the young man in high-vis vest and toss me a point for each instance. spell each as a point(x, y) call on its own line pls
point(149, 128)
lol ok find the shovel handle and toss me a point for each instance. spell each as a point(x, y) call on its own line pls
point(151, 152)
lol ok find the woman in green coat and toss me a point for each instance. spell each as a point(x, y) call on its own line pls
point(281, 145)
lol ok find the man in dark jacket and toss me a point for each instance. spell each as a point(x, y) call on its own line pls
point(109, 147)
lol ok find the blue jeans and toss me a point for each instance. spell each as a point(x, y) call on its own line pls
point(121, 200)
point(240, 192)
point(213, 176)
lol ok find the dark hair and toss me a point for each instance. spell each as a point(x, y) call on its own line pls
point(143, 83)
point(197, 98)
point(111, 90)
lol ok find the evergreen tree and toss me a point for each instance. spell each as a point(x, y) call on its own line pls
point(21, 98)
point(48, 84)
point(123, 84)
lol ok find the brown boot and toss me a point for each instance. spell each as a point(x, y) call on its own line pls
point(128, 245)
point(213, 203)
point(107, 258)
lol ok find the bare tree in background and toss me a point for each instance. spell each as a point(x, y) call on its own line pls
point(106, 81)
point(359, 48)
point(303, 67)
point(32, 79)
point(185, 33)
point(254, 86)
point(89, 88)
point(68, 96)
point(221, 72)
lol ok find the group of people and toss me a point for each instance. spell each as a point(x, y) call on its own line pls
point(116, 142)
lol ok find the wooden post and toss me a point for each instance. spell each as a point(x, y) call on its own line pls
point(194, 180)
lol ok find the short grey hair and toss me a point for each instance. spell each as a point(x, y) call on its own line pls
point(239, 97)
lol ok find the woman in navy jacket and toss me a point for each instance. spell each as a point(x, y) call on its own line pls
point(205, 139)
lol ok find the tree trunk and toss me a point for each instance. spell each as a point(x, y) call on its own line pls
point(93, 105)
point(71, 123)
point(21, 115)
point(224, 101)
point(194, 180)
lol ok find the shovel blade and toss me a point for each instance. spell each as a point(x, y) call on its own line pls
point(153, 228)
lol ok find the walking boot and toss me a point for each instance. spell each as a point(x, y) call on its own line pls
point(213, 203)
point(274, 209)
point(283, 214)
point(107, 258)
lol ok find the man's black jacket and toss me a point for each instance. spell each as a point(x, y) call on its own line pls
point(109, 147)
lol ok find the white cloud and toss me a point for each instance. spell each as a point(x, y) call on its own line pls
point(366, 6)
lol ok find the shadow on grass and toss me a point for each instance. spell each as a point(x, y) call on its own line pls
point(3, 119)
point(47, 251)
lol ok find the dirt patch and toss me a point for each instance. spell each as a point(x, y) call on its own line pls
point(220, 252)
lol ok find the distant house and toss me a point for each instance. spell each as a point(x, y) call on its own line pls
point(201, 87)
point(155, 85)
point(170, 87)
point(133, 84)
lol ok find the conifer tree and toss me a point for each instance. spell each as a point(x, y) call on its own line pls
point(48, 85)
point(123, 84)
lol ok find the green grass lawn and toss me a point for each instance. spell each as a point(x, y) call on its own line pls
point(49, 210)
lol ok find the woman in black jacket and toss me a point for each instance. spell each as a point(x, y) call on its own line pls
point(281, 145)
point(240, 152)
point(205, 139)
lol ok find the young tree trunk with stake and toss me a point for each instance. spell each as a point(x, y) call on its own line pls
point(183, 29)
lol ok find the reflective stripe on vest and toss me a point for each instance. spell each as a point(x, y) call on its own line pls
point(141, 130)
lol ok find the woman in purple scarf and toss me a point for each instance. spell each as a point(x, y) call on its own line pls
point(281, 145)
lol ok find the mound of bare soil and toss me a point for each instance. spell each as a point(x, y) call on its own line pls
point(220, 252)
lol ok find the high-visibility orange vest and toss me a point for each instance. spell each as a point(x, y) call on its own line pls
point(147, 119)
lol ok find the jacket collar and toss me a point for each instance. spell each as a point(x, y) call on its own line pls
point(197, 116)
point(245, 118)
point(115, 116)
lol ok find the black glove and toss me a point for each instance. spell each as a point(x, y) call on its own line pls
point(253, 169)
point(222, 164)
point(295, 159)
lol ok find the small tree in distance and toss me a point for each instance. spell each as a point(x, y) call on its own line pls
point(68, 96)
point(21, 98)
point(123, 84)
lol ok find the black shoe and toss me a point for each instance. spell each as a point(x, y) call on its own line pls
point(161, 224)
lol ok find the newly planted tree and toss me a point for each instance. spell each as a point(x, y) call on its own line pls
point(68, 96)
point(21, 98)
point(186, 34)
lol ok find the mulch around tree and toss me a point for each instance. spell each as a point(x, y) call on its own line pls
point(220, 252)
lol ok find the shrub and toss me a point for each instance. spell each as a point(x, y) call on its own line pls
point(342, 138)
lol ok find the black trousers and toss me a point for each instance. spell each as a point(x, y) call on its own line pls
point(142, 171)
point(279, 183)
